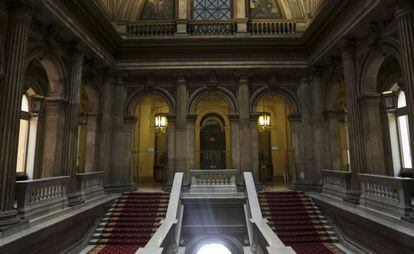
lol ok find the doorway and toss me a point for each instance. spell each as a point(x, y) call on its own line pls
point(212, 143)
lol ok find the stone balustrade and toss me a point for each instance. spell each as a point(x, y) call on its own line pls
point(146, 28)
point(90, 185)
point(167, 237)
point(261, 235)
point(387, 194)
point(336, 183)
point(263, 27)
point(215, 178)
point(41, 196)
point(213, 27)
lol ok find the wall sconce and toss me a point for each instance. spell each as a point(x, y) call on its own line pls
point(161, 122)
point(37, 103)
point(264, 121)
point(389, 100)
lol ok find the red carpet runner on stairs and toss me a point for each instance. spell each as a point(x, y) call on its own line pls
point(296, 221)
point(130, 223)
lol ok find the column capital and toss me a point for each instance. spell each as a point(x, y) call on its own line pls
point(192, 117)
point(330, 114)
point(348, 47)
point(295, 117)
point(243, 76)
point(369, 98)
point(404, 8)
point(305, 80)
point(20, 9)
point(75, 51)
point(130, 119)
point(181, 77)
point(233, 117)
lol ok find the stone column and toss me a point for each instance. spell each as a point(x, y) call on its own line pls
point(296, 122)
point(191, 119)
point(105, 134)
point(171, 150)
point(19, 19)
point(234, 132)
point(181, 124)
point(374, 146)
point(119, 156)
point(71, 127)
point(405, 16)
point(91, 138)
point(245, 163)
point(254, 146)
point(305, 161)
point(126, 172)
point(356, 135)
point(333, 145)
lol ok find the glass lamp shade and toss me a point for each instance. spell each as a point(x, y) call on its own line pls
point(264, 120)
point(161, 121)
point(389, 100)
point(37, 103)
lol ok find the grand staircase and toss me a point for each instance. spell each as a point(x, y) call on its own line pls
point(298, 222)
point(129, 223)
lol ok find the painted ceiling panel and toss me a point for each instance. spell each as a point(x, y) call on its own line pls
point(134, 10)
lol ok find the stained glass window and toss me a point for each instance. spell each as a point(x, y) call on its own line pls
point(212, 10)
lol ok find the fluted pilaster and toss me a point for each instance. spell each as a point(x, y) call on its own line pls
point(405, 16)
point(356, 135)
point(105, 128)
point(117, 148)
point(372, 121)
point(71, 127)
point(19, 19)
point(245, 163)
point(181, 122)
point(305, 162)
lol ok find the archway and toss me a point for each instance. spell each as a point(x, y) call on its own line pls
point(150, 141)
point(212, 143)
point(276, 153)
point(212, 133)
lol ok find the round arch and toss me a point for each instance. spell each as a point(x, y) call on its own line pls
point(286, 94)
point(134, 98)
point(52, 64)
point(372, 63)
point(221, 92)
point(229, 242)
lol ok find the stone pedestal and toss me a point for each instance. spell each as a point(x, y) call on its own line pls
point(11, 90)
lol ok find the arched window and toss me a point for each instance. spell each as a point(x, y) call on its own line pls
point(213, 248)
point(23, 137)
point(403, 131)
point(31, 106)
point(396, 105)
point(211, 9)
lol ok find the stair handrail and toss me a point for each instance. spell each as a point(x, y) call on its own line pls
point(274, 244)
point(169, 230)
